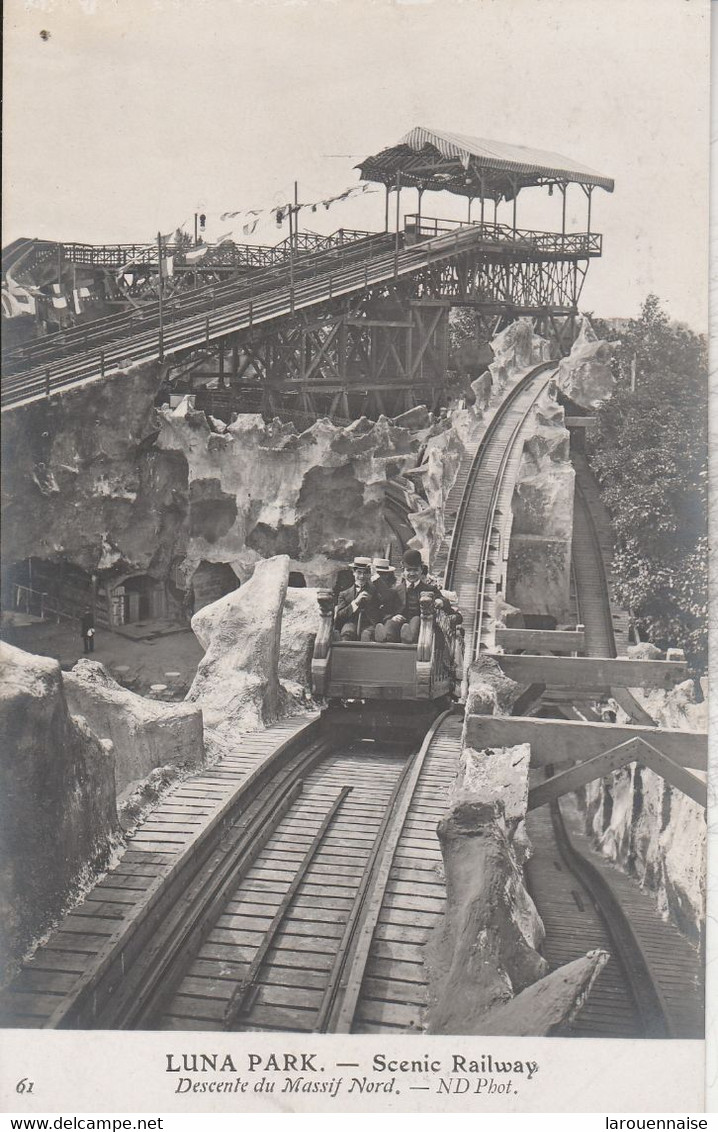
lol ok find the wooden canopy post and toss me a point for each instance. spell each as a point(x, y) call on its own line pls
point(469, 210)
point(589, 191)
point(481, 189)
point(420, 193)
point(387, 190)
point(563, 188)
point(515, 187)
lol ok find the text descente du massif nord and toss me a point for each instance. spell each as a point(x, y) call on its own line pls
point(305, 1073)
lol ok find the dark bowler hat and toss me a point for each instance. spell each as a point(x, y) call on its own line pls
point(412, 558)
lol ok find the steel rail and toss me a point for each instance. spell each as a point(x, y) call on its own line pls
point(341, 996)
point(128, 977)
point(483, 454)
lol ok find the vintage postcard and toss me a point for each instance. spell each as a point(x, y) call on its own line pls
point(355, 556)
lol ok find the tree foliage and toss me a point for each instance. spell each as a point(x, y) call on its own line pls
point(650, 452)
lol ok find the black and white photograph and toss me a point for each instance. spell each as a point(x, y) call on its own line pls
point(354, 621)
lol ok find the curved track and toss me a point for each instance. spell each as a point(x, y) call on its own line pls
point(311, 902)
point(651, 985)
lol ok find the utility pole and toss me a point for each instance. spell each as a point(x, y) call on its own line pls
point(398, 221)
point(195, 229)
point(159, 296)
point(296, 215)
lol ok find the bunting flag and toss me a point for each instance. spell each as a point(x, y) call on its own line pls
point(225, 239)
point(196, 254)
point(281, 212)
point(60, 302)
point(168, 266)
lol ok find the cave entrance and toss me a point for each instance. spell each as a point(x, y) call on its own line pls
point(136, 598)
point(211, 581)
point(297, 580)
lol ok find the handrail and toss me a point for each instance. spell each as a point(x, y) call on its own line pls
point(343, 276)
point(573, 243)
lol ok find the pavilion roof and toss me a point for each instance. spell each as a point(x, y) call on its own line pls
point(475, 167)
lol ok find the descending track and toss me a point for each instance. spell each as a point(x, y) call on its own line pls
point(487, 481)
point(309, 905)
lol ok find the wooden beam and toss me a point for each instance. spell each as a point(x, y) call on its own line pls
point(531, 640)
point(635, 750)
point(555, 741)
point(632, 708)
point(590, 671)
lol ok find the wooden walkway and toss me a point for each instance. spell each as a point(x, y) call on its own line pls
point(85, 937)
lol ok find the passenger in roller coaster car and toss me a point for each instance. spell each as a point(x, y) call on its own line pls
point(384, 577)
point(360, 607)
point(405, 616)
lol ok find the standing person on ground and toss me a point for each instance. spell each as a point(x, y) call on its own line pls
point(87, 629)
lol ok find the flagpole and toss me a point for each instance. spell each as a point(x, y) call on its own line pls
point(296, 215)
point(159, 293)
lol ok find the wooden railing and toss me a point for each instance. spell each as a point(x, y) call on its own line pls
point(555, 243)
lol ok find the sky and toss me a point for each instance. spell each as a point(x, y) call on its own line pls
point(125, 117)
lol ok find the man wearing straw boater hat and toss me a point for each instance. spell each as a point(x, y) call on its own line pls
point(362, 606)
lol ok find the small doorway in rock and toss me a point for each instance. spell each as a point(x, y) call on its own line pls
point(211, 581)
point(297, 580)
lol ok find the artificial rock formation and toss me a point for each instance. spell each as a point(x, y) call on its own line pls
point(487, 974)
point(300, 622)
point(585, 376)
point(237, 682)
point(516, 349)
point(650, 829)
point(539, 567)
point(489, 690)
point(144, 734)
point(58, 799)
point(84, 483)
point(256, 490)
point(486, 946)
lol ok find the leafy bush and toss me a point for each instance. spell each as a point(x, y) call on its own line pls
point(649, 450)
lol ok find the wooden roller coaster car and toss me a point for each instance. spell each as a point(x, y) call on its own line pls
point(365, 670)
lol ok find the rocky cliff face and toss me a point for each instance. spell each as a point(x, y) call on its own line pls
point(585, 376)
point(58, 799)
point(102, 480)
point(144, 734)
point(320, 496)
point(651, 830)
point(84, 482)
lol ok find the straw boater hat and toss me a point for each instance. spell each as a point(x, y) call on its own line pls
point(361, 563)
point(383, 566)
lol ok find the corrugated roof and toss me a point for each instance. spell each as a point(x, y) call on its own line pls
point(498, 167)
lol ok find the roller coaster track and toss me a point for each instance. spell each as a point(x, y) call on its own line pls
point(213, 313)
point(487, 481)
point(651, 986)
point(304, 899)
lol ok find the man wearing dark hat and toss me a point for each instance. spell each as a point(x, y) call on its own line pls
point(405, 618)
point(361, 606)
